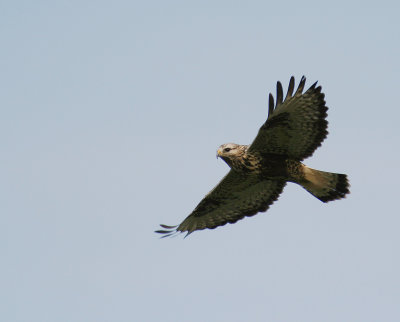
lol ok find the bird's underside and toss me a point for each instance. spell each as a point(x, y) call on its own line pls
point(295, 127)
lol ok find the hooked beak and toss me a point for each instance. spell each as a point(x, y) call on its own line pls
point(219, 152)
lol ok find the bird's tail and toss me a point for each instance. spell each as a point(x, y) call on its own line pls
point(325, 186)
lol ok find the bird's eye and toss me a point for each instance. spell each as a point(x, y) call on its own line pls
point(227, 149)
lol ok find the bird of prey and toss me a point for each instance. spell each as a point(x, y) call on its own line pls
point(294, 129)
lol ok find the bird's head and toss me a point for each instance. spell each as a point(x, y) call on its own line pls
point(231, 151)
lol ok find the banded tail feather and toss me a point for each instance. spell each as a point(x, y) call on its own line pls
point(326, 186)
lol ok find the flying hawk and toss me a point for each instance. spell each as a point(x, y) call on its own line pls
point(295, 128)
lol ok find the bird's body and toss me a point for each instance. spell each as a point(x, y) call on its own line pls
point(295, 127)
point(268, 166)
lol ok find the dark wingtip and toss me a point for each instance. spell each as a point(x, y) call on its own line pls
point(173, 234)
point(188, 233)
point(162, 231)
point(168, 231)
point(301, 86)
point(290, 88)
point(312, 87)
point(271, 104)
point(168, 227)
point(279, 93)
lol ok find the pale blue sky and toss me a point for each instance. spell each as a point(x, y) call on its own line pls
point(111, 113)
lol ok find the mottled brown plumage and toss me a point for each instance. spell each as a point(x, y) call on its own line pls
point(295, 127)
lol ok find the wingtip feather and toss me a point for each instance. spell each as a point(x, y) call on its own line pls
point(301, 85)
point(279, 93)
point(312, 87)
point(168, 227)
point(271, 104)
point(290, 88)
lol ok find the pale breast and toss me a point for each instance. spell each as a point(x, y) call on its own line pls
point(246, 163)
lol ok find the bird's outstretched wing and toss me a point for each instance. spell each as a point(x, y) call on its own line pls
point(235, 197)
point(296, 125)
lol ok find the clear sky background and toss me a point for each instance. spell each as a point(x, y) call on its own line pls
point(111, 113)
